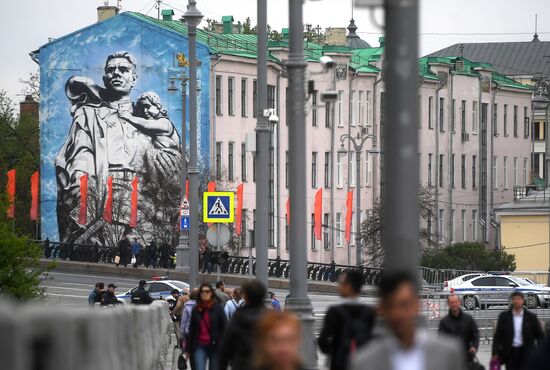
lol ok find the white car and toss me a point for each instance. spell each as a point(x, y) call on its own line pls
point(158, 289)
point(449, 285)
point(489, 290)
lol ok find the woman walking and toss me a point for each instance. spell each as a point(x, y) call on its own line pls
point(206, 327)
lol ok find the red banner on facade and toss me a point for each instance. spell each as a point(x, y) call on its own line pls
point(318, 214)
point(11, 193)
point(288, 212)
point(349, 214)
point(108, 210)
point(239, 210)
point(211, 186)
point(35, 178)
point(83, 214)
point(134, 206)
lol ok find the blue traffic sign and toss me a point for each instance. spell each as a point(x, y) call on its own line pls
point(219, 207)
point(184, 223)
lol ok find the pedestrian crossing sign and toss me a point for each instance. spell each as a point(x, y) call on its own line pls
point(219, 207)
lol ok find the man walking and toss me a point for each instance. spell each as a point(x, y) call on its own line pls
point(136, 249)
point(462, 326)
point(234, 303)
point(404, 346)
point(518, 333)
point(140, 295)
point(221, 294)
point(347, 326)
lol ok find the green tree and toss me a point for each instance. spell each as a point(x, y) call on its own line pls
point(19, 262)
point(247, 27)
point(469, 256)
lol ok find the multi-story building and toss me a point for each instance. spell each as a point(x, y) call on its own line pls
point(474, 140)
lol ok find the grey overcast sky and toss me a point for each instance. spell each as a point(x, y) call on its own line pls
point(25, 25)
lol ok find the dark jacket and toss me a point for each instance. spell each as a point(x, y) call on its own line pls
point(237, 344)
point(217, 326)
point(109, 299)
point(540, 358)
point(463, 327)
point(335, 336)
point(141, 296)
point(504, 334)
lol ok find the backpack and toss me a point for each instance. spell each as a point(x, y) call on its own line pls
point(356, 330)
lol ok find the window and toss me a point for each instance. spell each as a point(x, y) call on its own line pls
point(243, 162)
point(525, 123)
point(353, 109)
point(254, 98)
point(219, 95)
point(368, 104)
point(361, 108)
point(463, 171)
point(430, 159)
point(441, 114)
point(218, 160)
point(230, 96)
point(452, 226)
point(463, 224)
point(495, 121)
point(495, 178)
point(312, 234)
point(429, 223)
point(484, 281)
point(326, 234)
point(314, 108)
point(287, 236)
point(525, 172)
point(368, 169)
point(340, 111)
point(271, 96)
point(243, 228)
point(453, 115)
point(159, 287)
point(474, 116)
point(287, 104)
point(252, 231)
point(419, 111)
point(351, 169)
point(339, 170)
point(441, 157)
point(254, 167)
point(515, 121)
point(463, 115)
point(474, 171)
point(505, 161)
point(327, 170)
point(314, 169)
point(352, 234)
point(474, 224)
point(286, 169)
point(244, 97)
point(230, 169)
point(505, 120)
point(441, 225)
point(539, 130)
point(452, 169)
point(515, 171)
point(430, 108)
point(338, 227)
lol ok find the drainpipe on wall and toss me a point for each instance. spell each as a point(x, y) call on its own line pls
point(450, 225)
point(350, 85)
point(480, 149)
point(490, 162)
point(440, 86)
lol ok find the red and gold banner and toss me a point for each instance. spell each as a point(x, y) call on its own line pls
point(11, 193)
point(83, 214)
point(239, 210)
point(318, 214)
point(134, 205)
point(349, 214)
point(35, 179)
point(108, 210)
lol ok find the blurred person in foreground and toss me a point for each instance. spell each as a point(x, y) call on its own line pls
point(96, 294)
point(348, 326)
point(540, 358)
point(237, 345)
point(277, 342)
point(206, 327)
point(404, 346)
point(462, 326)
point(517, 334)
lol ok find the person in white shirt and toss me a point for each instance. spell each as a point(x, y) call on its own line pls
point(405, 346)
point(233, 304)
point(517, 334)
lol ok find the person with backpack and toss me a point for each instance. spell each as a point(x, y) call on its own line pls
point(347, 326)
point(233, 304)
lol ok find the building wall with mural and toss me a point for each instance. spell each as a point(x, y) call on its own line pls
point(111, 129)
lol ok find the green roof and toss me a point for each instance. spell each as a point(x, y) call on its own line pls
point(167, 12)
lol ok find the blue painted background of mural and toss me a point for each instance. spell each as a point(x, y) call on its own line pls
point(83, 53)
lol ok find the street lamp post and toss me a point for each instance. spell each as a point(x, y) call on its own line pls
point(358, 142)
point(182, 250)
point(193, 18)
point(298, 301)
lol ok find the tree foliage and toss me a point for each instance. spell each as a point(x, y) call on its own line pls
point(469, 256)
point(19, 261)
point(32, 85)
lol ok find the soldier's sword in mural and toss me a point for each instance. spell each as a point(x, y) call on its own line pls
point(111, 136)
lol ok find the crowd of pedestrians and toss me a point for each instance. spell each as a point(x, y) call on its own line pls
point(134, 254)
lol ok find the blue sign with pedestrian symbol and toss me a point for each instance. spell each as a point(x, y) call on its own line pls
point(219, 207)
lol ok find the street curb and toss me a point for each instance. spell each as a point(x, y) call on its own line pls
point(148, 273)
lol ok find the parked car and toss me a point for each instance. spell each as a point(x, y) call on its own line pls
point(489, 290)
point(158, 289)
point(450, 284)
